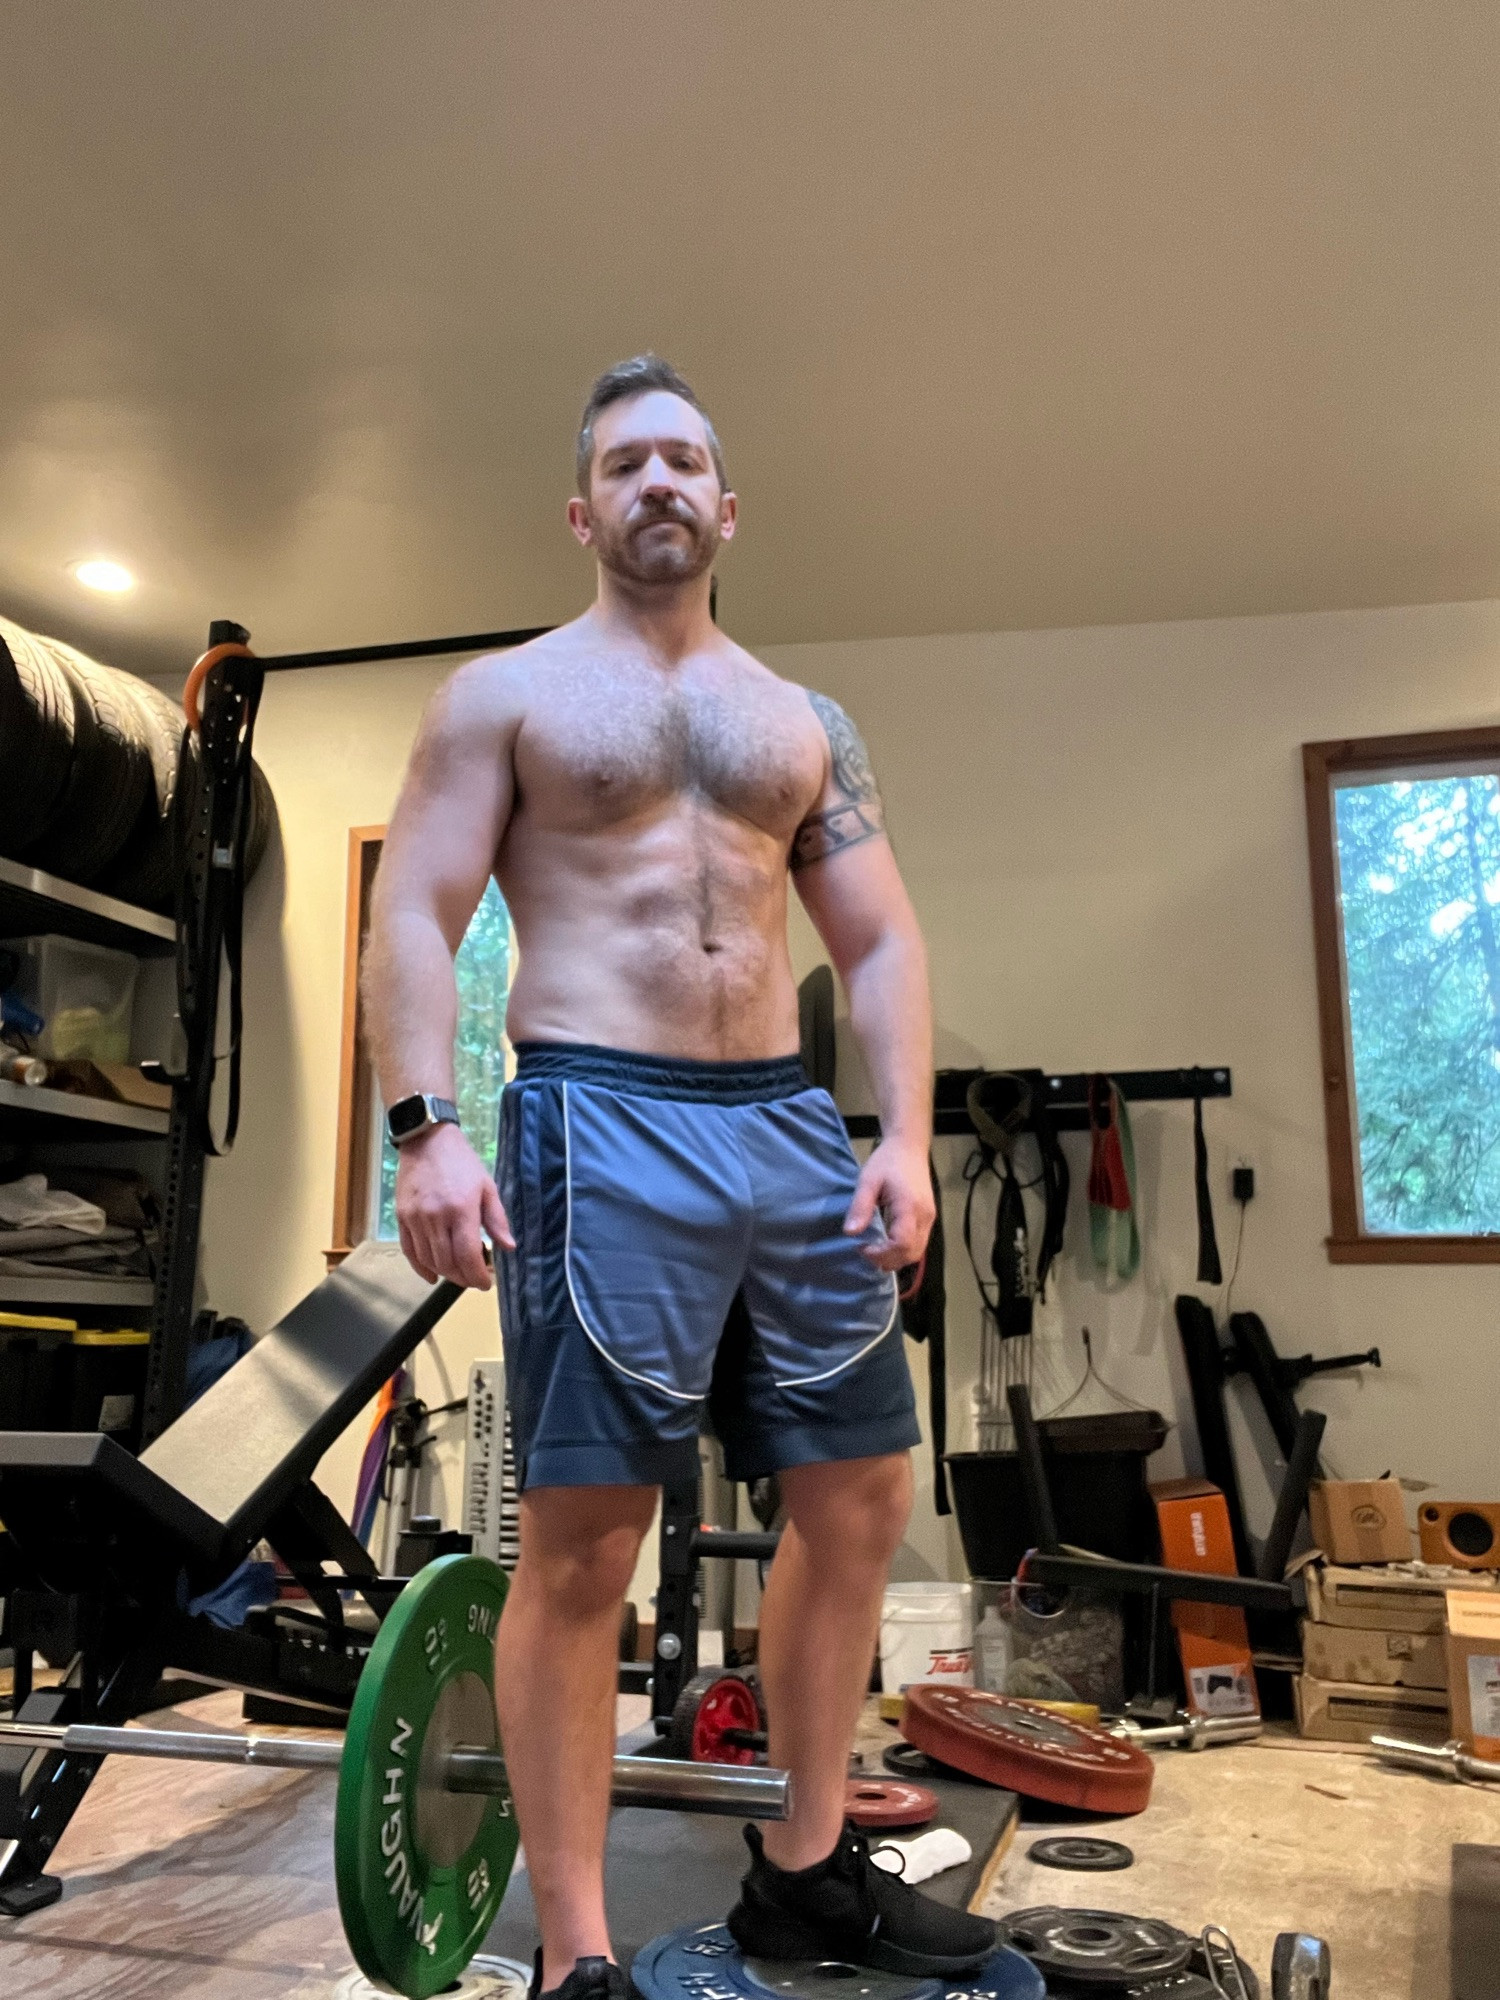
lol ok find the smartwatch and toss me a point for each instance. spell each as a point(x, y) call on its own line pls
point(410, 1115)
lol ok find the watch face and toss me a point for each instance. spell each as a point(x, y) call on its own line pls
point(407, 1116)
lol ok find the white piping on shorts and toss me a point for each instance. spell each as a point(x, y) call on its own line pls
point(807, 1381)
point(679, 1395)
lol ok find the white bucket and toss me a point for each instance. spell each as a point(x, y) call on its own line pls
point(926, 1634)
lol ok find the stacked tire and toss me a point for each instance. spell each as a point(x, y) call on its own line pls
point(89, 765)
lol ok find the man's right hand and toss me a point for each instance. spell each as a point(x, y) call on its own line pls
point(444, 1195)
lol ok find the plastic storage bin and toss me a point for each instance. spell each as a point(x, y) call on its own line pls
point(1096, 1467)
point(106, 1388)
point(85, 995)
point(1041, 1649)
point(34, 1365)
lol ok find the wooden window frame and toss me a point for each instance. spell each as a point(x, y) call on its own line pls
point(353, 1163)
point(1322, 765)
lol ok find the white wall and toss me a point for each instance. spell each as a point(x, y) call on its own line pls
point(1103, 832)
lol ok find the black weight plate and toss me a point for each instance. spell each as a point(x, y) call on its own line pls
point(1180, 1986)
point(702, 1960)
point(1076, 1851)
point(1093, 1948)
point(905, 1760)
point(1193, 1984)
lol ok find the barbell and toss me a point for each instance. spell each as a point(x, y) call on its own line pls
point(425, 1836)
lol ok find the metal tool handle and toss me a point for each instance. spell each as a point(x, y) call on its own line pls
point(1033, 1469)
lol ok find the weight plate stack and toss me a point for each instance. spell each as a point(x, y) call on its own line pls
point(1192, 1984)
point(421, 1870)
point(1028, 1749)
point(703, 1960)
point(1098, 1948)
point(905, 1760)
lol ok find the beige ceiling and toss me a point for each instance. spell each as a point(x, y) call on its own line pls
point(1009, 314)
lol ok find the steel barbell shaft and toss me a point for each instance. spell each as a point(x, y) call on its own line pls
point(749, 1791)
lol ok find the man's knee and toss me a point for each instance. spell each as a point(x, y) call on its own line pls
point(860, 1506)
point(578, 1552)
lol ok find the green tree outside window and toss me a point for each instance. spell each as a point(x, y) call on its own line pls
point(1419, 869)
point(480, 1049)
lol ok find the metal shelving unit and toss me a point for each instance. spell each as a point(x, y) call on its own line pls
point(32, 903)
point(81, 1291)
point(43, 1104)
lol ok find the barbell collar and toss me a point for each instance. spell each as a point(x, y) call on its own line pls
point(749, 1792)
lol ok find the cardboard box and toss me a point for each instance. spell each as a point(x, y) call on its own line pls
point(1342, 1712)
point(1375, 1658)
point(1212, 1639)
point(1474, 1669)
point(1360, 1520)
point(1409, 1599)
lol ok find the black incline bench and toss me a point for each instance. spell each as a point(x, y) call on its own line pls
point(102, 1552)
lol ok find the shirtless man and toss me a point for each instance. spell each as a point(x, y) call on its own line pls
point(679, 1223)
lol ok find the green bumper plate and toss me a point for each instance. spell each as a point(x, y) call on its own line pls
point(421, 1870)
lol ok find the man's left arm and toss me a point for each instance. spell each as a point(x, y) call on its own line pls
point(851, 888)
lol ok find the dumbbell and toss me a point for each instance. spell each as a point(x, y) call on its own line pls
point(425, 1835)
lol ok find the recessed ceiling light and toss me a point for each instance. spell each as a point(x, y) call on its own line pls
point(98, 573)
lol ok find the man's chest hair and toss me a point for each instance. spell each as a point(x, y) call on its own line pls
point(615, 744)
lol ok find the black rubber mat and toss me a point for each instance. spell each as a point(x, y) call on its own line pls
point(1476, 1923)
point(664, 1869)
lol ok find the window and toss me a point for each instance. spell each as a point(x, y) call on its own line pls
point(1404, 837)
point(365, 1180)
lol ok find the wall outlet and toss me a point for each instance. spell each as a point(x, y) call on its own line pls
point(1242, 1183)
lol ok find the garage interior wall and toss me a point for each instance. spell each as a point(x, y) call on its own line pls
point(1103, 833)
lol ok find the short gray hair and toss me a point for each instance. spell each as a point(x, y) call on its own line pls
point(639, 376)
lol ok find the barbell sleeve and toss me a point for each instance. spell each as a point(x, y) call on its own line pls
point(91, 1739)
point(1449, 1760)
point(1197, 1732)
point(746, 1791)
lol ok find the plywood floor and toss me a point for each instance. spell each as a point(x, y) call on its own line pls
point(217, 1883)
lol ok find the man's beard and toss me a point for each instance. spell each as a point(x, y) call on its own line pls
point(638, 555)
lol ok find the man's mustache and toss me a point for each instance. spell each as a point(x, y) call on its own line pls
point(653, 517)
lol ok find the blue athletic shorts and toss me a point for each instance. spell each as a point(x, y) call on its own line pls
point(680, 1251)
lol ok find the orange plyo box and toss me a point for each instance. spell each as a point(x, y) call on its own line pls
point(1212, 1639)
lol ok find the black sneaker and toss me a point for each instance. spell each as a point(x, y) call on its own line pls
point(590, 1979)
point(845, 1908)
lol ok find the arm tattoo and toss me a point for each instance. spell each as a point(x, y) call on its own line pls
point(857, 813)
